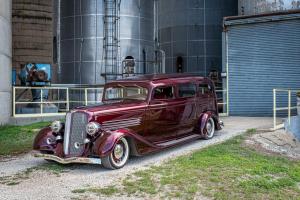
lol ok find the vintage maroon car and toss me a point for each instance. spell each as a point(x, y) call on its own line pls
point(138, 115)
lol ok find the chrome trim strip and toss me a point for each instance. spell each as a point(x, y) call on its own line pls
point(121, 123)
point(122, 120)
point(67, 133)
point(117, 127)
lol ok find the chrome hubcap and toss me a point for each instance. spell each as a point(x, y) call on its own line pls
point(118, 151)
point(210, 129)
point(120, 154)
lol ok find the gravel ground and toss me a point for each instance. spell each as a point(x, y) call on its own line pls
point(45, 185)
point(276, 142)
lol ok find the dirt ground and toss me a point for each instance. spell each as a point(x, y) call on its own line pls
point(276, 142)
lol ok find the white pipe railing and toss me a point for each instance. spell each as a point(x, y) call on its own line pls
point(67, 101)
point(289, 107)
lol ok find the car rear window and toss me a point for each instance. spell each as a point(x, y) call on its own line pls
point(205, 88)
point(187, 90)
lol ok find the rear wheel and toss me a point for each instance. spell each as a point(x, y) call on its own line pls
point(209, 129)
point(119, 155)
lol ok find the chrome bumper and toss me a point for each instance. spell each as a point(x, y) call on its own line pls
point(96, 161)
point(221, 124)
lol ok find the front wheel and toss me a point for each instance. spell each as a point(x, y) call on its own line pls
point(209, 129)
point(119, 155)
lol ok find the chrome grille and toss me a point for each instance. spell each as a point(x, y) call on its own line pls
point(75, 133)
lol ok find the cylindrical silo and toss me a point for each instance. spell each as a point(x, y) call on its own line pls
point(82, 38)
point(5, 60)
point(190, 33)
point(252, 7)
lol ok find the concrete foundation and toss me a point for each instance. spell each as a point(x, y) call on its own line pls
point(21, 121)
point(294, 128)
point(5, 60)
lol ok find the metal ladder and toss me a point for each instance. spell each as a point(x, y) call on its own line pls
point(111, 41)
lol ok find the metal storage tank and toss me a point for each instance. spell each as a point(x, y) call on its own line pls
point(5, 60)
point(252, 7)
point(263, 53)
point(81, 57)
point(190, 33)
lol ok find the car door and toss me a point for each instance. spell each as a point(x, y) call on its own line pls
point(162, 119)
point(187, 114)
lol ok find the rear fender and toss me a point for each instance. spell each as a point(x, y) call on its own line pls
point(204, 119)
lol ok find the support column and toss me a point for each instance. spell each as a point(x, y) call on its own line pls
point(5, 61)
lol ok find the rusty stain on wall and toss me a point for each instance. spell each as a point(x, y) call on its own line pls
point(32, 30)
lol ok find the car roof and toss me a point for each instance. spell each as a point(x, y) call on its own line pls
point(157, 78)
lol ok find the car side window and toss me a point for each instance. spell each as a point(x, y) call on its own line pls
point(163, 93)
point(186, 90)
point(205, 88)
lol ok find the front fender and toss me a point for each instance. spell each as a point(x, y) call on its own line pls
point(40, 138)
point(40, 142)
point(106, 143)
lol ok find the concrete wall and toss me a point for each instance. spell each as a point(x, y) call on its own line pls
point(5, 61)
point(32, 31)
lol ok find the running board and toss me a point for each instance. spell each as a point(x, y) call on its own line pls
point(173, 142)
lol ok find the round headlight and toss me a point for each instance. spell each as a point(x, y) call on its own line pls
point(92, 128)
point(56, 126)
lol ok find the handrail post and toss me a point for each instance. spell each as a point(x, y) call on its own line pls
point(68, 100)
point(14, 101)
point(274, 108)
point(86, 96)
point(289, 106)
point(41, 101)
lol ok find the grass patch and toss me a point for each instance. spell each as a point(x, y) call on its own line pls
point(16, 179)
point(18, 139)
point(224, 171)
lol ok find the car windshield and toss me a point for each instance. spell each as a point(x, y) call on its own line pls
point(121, 92)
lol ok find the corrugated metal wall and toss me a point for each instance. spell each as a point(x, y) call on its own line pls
point(192, 30)
point(262, 56)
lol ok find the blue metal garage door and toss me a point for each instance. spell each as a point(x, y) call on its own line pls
point(262, 53)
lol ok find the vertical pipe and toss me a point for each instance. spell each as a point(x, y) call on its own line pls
point(274, 108)
point(14, 101)
point(227, 75)
point(163, 61)
point(68, 100)
point(155, 33)
point(86, 96)
point(289, 106)
point(96, 42)
point(58, 40)
point(41, 101)
point(204, 39)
